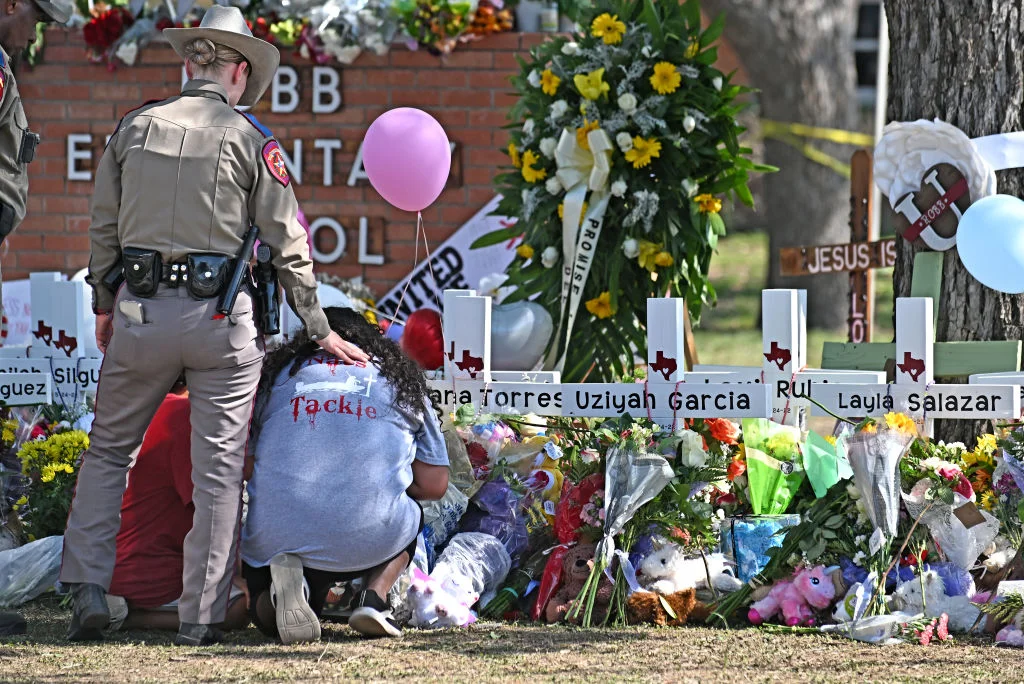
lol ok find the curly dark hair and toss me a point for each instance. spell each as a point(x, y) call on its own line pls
point(401, 372)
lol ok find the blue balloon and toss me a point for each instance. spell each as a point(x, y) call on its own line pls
point(990, 241)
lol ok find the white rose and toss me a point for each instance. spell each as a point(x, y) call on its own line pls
point(619, 188)
point(547, 147)
point(627, 103)
point(559, 108)
point(631, 248)
point(549, 257)
point(570, 49)
point(624, 141)
point(534, 79)
point(554, 186)
point(689, 123)
point(717, 82)
point(528, 127)
point(691, 449)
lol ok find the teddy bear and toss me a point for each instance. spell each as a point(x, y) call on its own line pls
point(808, 590)
point(961, 611)
point(667, 571)
point(576, 566)
point(648, 608)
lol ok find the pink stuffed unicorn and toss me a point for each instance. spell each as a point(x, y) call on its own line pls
point(810, 589)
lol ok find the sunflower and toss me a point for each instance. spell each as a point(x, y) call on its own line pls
point(644, 149)
point(601, 306)
point(513, 152)
point(525, 251)
point(591, 85)
point(530, 174)
point(987, 500)
point(901, 423)
point(666, 78)
point(581, 133)
point(708, 204)
point(561, 211)
point(608, 28)
point(549, 82)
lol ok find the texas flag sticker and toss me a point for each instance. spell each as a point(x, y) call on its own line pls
point(274, 158)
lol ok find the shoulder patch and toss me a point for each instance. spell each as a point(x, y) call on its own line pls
point(274, 158)
point(121, 121)
point(3, 79)
point(256, 124)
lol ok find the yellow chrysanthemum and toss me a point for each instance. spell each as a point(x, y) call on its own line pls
point(647, 258)
point(692, 50)
point(830, 439)
point(663, 259)
point(601, 306)
point(708, 204)
point(513, 153)
point(22, 501)
point(549, 82)
point(7, 436)
point(592, 85)
point(530, 174)
point(901, 423)
point(666, 78)
point(47, 474)
point(644, 149)
point(608, 28)
point(581, 133)
point(525, 251)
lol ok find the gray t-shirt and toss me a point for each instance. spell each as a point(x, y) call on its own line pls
point(333, 461)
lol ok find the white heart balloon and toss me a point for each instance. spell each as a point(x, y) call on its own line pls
point(519, 335)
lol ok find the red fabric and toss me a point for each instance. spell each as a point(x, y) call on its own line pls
point(156, 513)
point(422, 339)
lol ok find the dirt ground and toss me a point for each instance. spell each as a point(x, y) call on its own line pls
point(497, 651)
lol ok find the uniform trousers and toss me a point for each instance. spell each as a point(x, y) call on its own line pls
point(221, 360)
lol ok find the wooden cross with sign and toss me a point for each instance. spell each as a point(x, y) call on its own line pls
point(858, 257)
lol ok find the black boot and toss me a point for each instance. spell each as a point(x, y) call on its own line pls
point(91, 615)
point(198, 635)
point(12, 624)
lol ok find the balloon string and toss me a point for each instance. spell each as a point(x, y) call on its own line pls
point(415, 261)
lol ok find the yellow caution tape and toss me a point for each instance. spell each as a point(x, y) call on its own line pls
point(777, 128)
point(814, 154)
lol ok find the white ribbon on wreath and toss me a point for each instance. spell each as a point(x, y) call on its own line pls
point(580, 171)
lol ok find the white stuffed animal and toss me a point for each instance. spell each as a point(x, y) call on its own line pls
point(908, 597)
point(668, 570)
point(998, 554)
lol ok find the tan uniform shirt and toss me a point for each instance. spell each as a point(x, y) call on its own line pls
point(13, 174)
point(190, 174)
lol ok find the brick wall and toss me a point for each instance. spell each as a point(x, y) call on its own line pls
point(467, 92)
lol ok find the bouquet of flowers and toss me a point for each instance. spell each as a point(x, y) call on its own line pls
point(51, 462)
point(623, 147)
point(775, 469)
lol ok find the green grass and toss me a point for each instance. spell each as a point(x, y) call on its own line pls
point(728, 333)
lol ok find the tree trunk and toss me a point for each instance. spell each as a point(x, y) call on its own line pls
point(963, 63)
point(799, 55)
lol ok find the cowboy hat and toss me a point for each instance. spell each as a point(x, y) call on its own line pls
point(226, 26)
point(58, 11)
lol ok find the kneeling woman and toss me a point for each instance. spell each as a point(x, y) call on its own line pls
point(342, 453)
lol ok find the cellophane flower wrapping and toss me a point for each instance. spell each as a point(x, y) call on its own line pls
point(961, 544)
point(775, 469)
point(874, 458)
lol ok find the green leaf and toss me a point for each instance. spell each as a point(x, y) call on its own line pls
point(713, 31)
point(496, 237)
point(667, 607)
point(650, 16)
point(717, 224)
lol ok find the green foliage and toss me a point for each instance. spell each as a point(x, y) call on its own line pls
point(1005, 609)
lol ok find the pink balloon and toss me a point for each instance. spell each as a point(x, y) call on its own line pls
point(407, 156)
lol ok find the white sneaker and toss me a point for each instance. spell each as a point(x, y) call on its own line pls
point(289, 593)
point(372, 616)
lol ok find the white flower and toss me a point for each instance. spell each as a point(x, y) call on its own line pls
point(646, 51)
point(549, 257)
point(691, 449)
point(690, 187)
point(619, 188)
point(559, 108)
point(853, 492)
point(547, 147)
point(528, 127)
point(627, 103)
point(525, 195)
point(631, 248)
point(490, 284)
point(717, 82)
point(859, 557)
point(689, 123)
point(720, 514)
point(590, 455)
point(624, 141)
point(570, 49)
point(553, 186)
point(860, 539)
point(534, 79)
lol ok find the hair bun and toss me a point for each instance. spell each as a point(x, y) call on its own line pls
point(201, 51)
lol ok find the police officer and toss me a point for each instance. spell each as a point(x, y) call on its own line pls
point(178, 186)
point(18, 19)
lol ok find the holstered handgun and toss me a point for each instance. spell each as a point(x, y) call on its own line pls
point(227, 300)
point(115, 276)
point(268, 301)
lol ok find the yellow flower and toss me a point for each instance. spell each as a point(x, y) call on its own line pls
point(986, 443)
point(68, 469)
point(970, 458)
point(561, 211)
point(644, 149)
point(7, 436)
point(663, 259)
point(608, 28)
point(708, 204)
point(530, 174)
point(549, 82)
point(870, 428)
point(666, 78)
point(513, 152)
point(830, 439)
point(601, 306)
point(47, 474)
point(901, 423)
point(581, 133)
point(987, 500)
point(592, 85)
point(648, 255)
point(22, 501)
point(692, 50)
point(525, 251)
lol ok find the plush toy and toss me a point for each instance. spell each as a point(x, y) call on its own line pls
point(648, 608)
point(961, 611)
point(809, 590)
point(575, 570)
point(433, 607)
point(1010, 635)
point(667, 571)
